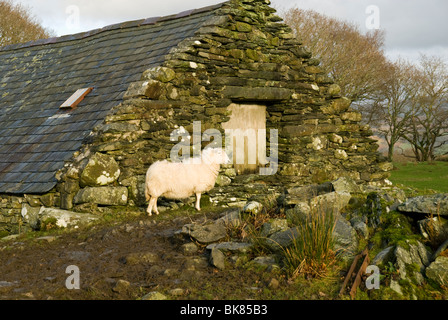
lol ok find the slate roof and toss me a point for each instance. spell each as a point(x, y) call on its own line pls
point(36, 137)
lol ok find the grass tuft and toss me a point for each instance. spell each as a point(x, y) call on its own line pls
point(311, 252)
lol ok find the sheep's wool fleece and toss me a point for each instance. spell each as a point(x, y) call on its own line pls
point(179, 180)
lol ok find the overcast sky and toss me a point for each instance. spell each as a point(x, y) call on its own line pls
point(412, 26)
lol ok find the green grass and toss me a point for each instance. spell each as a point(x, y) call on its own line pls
point(424, 176)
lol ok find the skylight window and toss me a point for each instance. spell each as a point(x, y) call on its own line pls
point(76, 98)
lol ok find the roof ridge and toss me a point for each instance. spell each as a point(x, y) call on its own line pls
point(116, 26)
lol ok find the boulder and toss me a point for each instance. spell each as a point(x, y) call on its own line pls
point(66, 218)
point(111, 196)
point(414, 257)
point(299, 213)
point(330, 202)
point(434, 229)
point(253, 207)
point(438, 271)
point(345, 238)
point(101, 170)
point(383, 256)
point(217, 259)
point(436, 204)
point(360, 226)
point(310, 191)
point(345, 184)
point(121, 286)
point(205, 234)
point(274, 225)
point(223, 181)
point(282, 239)
point(30, 215)
point(189, 248)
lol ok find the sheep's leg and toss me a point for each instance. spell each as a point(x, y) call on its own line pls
point(152, 201)
point(155, 207)
point(149, 209)
point(198, 202)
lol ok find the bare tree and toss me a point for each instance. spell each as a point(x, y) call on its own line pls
point(429, 121)
point(17, 25)
point(355, 61)
point(393, 107)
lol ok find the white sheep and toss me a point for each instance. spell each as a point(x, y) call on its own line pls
point(180, 180)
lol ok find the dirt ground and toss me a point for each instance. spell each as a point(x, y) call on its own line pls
point(122, 259)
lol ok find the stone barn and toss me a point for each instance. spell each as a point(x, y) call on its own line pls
point(83, 116)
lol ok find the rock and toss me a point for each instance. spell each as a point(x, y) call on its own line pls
point(434, 229)
point(299, 213)
point(205, 234)
point(177, 292)
point(110, 196)
point(65, 218)
point(330, 202)
point(189, 248)
point(340, 154)
point(436, 204)
point(335, 138)
point(10, 237)
point(360, 226)
point(231, 218)
point(121, 286)
point(161, 74)
point(273, 284)
point(252, 207)
point(141, 258)
point(339, 105)
point(223, 180)
point(383, 256)
point(334, 90)
point(47, 238)
point(217, 259)
point(282, 239)
point(195, 263)
point(310, 191)
point(274, 225)
point(344, 237)
point(395, 286)
point(416, 255)
point(438, 271)
point(101, 170)
point(234, 247)
point(351, 116)
point(345, 184)
point(440, 249)
point(255, 93)
point(269, 262)
point(377, 205)
point(31, 215)
point(154, 295)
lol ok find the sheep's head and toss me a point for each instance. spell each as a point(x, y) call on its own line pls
point(215, 155)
